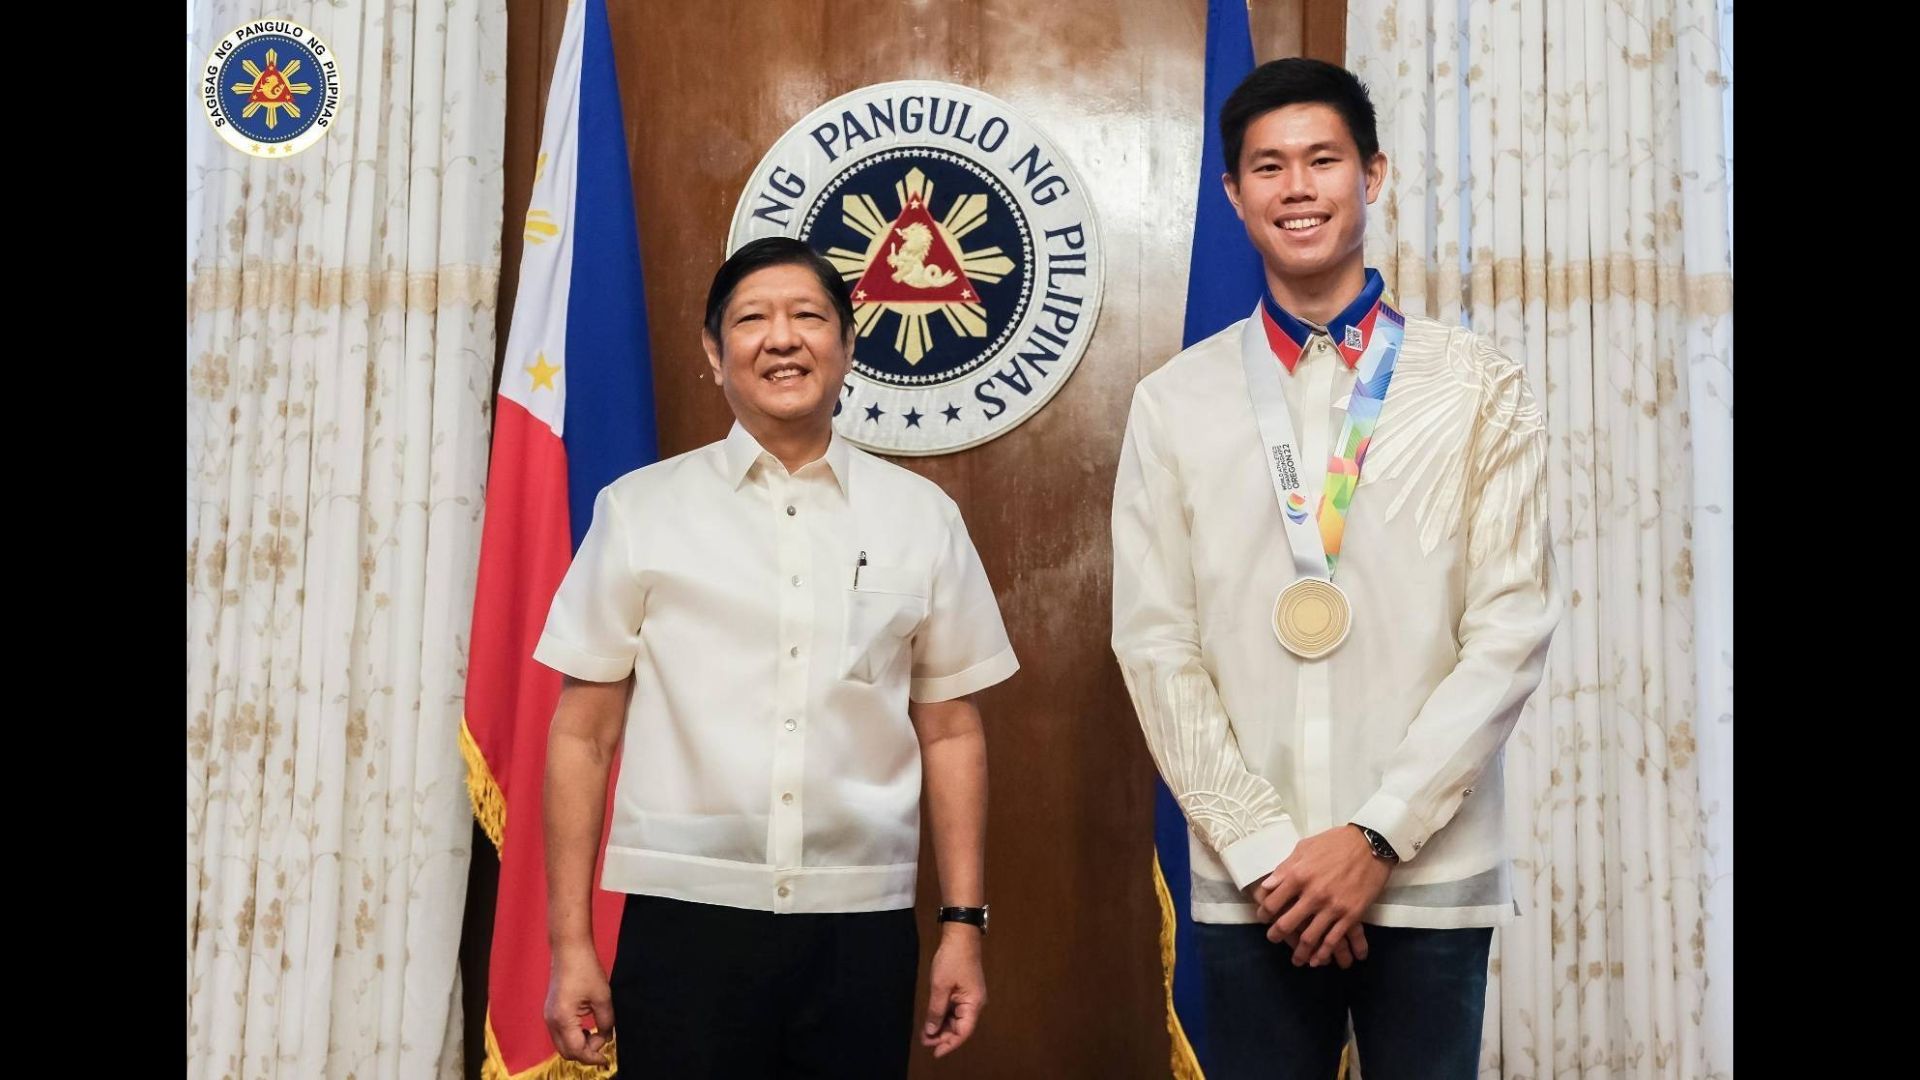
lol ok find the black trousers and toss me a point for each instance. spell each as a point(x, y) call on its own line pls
point(702, 991)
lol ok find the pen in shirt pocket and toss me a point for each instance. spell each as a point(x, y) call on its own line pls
point(856, 569)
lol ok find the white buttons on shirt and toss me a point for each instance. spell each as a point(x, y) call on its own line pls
point(689, 712)
point(783, 890)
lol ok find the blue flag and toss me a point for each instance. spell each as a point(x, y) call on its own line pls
point(1224, 281)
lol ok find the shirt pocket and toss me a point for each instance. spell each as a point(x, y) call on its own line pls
point(882, 612)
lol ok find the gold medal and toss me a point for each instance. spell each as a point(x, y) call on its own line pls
point(1312, 617)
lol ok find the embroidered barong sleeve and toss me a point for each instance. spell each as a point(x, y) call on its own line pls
point(1511, 605)
point(1156, 640)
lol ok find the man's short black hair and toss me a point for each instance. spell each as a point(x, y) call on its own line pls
point(775, 251)
point(1297, 80)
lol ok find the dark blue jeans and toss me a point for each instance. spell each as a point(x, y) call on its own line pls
point(1417, 1002)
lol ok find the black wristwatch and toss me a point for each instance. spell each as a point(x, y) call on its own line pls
point(1381, 849)
point(973, 916)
